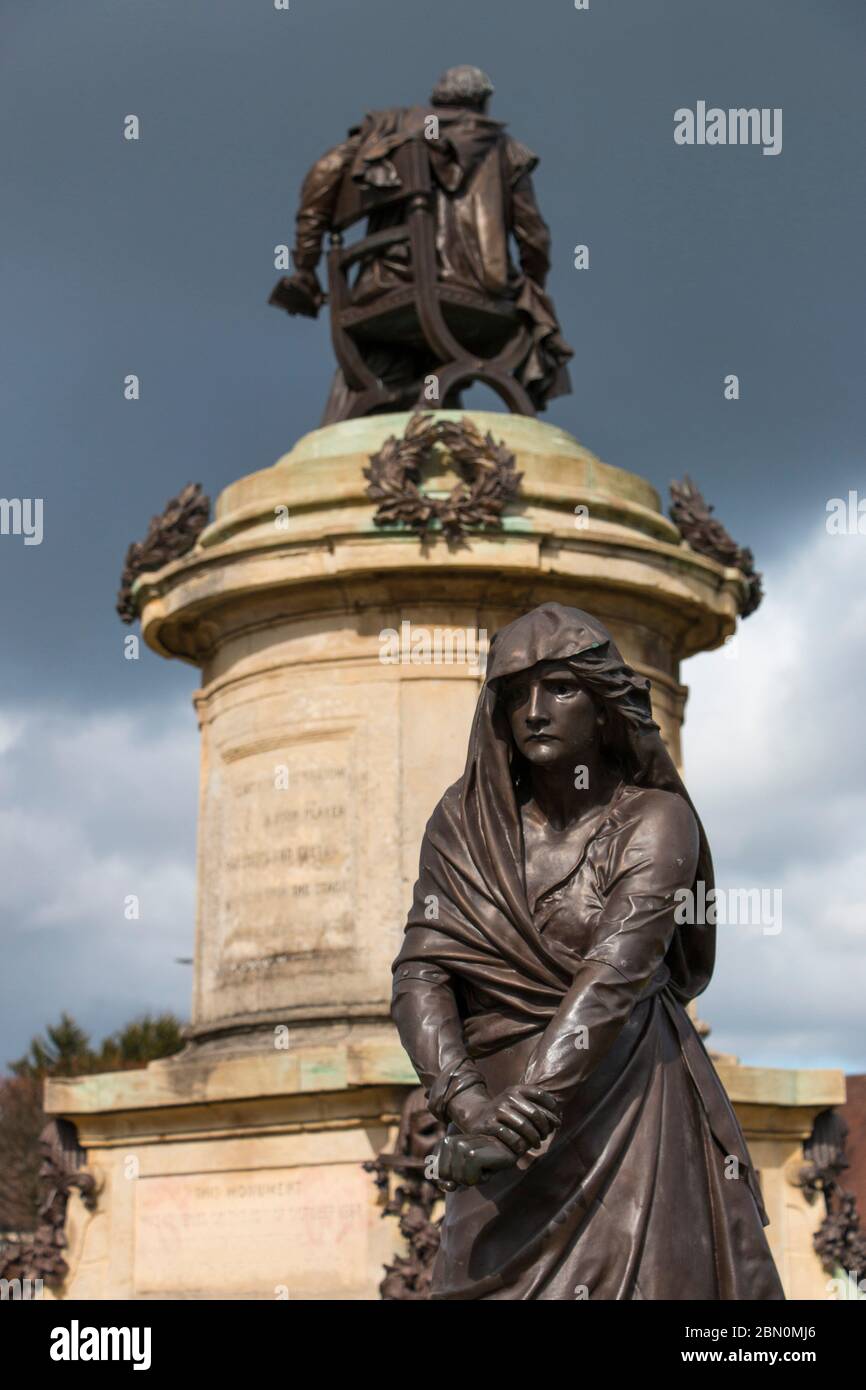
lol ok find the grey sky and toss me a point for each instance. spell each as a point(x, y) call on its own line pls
point(156, 257)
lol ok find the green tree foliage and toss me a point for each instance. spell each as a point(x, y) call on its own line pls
point(144, 1040)
point(64, 1049)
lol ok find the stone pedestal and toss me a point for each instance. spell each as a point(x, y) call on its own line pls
point(776, 1108)
point(243, 1178)
point(320, 765)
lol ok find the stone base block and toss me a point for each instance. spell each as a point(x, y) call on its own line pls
point(233, 1179)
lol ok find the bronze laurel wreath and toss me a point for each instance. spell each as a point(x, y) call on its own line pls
point(488, 483)
point(693, 516)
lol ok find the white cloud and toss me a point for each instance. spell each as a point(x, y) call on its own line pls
point(96, 808)
point(10, 732)
point(776, 763)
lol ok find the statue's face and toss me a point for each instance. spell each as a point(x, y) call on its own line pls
point(554, 721)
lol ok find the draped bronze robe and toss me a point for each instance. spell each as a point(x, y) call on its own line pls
point(646, 1191)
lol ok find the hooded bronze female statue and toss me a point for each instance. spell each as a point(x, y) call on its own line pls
point(540, 992)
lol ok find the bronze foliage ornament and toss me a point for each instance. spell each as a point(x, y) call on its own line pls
point(488, 478)
point(693, 516)
point(169, 535)
point(59, 1172)
point(839, 1241)
point(412, 1201)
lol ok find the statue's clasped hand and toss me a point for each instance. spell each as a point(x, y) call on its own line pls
point(497, 1131)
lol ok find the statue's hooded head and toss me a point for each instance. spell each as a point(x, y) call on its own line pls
point(463, 86)
point(567, 637)
point(632, 743)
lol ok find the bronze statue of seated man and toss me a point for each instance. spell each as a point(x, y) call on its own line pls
point(482, 197)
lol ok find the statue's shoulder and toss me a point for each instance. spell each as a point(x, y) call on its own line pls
point(660, 812)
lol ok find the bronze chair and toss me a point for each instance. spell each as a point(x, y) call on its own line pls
point(472, 336)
